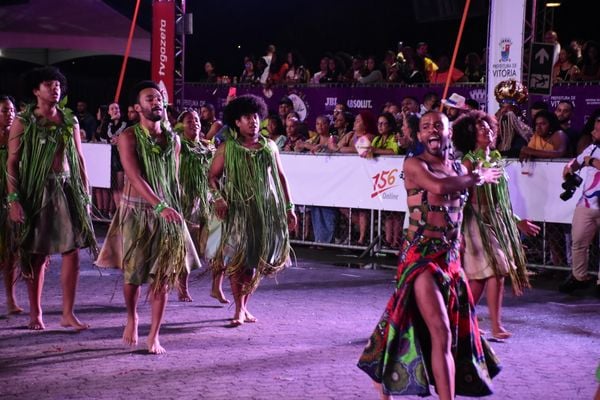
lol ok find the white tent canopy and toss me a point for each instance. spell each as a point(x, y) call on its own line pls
point(48, 32)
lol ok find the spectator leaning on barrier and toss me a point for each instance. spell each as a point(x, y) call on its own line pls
point(384, 143)
point(548, 140)
point(586, 218)
point(320, 141)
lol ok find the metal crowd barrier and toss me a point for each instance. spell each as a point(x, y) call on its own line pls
point(551, 249)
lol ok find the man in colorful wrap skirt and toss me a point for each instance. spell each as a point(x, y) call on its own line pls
point(428, 334)
point(250, 193)
point(48, 192)
point(148, 238)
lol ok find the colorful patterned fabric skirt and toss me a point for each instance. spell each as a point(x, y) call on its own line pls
point(398, 354)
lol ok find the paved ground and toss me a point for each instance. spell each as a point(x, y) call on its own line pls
point(313, 324)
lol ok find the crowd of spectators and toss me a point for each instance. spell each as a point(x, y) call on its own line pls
point(547, 133)
point(579, 61)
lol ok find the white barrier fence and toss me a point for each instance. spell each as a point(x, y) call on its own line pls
point(376, 184)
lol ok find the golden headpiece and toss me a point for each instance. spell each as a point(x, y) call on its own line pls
point(511, 92)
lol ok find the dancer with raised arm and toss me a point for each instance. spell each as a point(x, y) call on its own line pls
point(428, 334)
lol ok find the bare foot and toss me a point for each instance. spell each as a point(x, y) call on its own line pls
point(219, 296)
point(13, 309)
point(379, 390)
point(71, 321)
point(130, 333)
point(249, 317)
point(154, 347)
point(235, 323)
point(36, 324)
point(238, 319)
point(185, 297)
point(501, 333)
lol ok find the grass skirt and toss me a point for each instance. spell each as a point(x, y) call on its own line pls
point(146, 247)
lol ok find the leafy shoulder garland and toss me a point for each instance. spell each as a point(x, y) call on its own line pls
point(498, 214)
point(193, 177)
point(39, 143)
point(256, 198)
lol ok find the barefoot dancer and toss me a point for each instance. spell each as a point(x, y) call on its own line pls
point(148, 238)
point(195, 158)
point(48, 192)
point(254, 200)
point(493, 246)
point(8, 262)
point(428, 333)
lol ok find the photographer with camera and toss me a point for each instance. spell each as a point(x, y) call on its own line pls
point(586, 218)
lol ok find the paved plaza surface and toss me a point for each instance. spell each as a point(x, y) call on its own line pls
point(313, 322)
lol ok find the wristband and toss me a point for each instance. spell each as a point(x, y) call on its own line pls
point(12, 197)
point(289, 206)
point(160, 207)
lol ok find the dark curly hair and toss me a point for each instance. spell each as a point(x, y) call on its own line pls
point(135, 91)
point(33, 78)
point(550, 117)
point(464, 129)
point(243, 105)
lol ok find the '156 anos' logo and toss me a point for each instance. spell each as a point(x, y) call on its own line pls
point(384, 181)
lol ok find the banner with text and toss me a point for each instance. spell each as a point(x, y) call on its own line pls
point(313, 101)
point(352, 181)
point(163, 46)
point(505, 45)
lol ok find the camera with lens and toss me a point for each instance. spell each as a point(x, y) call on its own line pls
point(570, 185)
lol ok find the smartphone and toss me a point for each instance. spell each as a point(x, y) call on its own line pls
point(232, 91)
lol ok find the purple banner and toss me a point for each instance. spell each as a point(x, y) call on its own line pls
point(312, 101)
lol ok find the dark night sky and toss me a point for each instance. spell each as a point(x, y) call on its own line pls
point(313, 27)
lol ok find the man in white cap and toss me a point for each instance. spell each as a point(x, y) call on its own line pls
point(454, 106)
